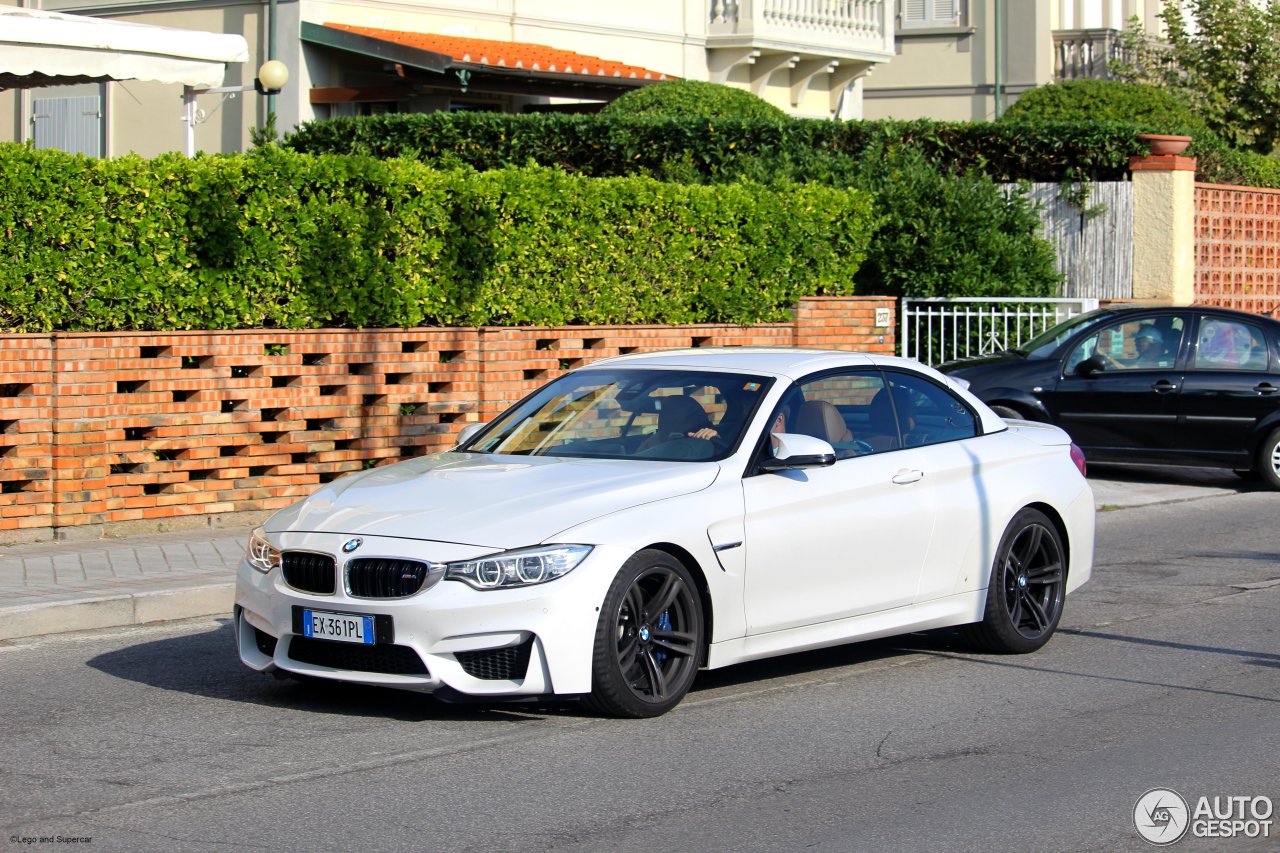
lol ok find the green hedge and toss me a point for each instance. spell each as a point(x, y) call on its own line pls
point(726, 149)
point(1160, 110)
point(694, 97)
point(280, 239)
point(701, 150)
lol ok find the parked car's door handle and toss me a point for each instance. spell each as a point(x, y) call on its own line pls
point(907, 475)
point(1265, 388)
point(1164, 386)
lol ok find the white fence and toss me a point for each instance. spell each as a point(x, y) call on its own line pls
point(938, 330)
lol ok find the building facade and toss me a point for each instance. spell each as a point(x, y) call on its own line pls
point(350, 57)
point(966, 60)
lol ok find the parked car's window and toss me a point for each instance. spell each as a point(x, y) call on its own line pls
point(630, 413)
point(866, 411)
point(1139, 344)
point(1229, 344)
point(1044, 344)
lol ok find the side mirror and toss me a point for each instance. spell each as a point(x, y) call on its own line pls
point(798, 451)
point(1091, 366)
point(468, 432)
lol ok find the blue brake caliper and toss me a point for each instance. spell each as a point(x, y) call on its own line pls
point(664, 624)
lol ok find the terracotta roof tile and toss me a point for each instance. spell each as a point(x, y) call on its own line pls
point(508, 54)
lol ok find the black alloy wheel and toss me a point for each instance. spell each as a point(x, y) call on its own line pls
point(648, 643)
point(1028, 587)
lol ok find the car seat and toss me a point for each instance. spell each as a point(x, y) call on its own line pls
point(823, 420)
point(883, 423)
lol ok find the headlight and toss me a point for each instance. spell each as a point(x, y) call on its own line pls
point(260, 554)
point(523, 567)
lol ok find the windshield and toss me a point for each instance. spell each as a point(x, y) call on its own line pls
point(630, 413)
point(1044, 344)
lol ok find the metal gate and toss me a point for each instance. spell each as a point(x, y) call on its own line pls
point(938, 329)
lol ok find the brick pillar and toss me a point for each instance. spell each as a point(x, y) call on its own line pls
point(846, 323)
point(1164, 236)
point(26, 437)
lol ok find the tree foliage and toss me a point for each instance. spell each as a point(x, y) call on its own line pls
point(949, 235)
point(1225, 55)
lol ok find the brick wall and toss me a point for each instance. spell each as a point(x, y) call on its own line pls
point(1238, 247)
point(112, 432)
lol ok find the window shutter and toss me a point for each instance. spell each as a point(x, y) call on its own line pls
point(930, 13)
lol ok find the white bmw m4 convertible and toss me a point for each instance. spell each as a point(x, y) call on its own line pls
point(647, 516)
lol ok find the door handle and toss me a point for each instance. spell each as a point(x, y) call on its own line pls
point(907, 476)
point(1265, 388)
point(1164, 386)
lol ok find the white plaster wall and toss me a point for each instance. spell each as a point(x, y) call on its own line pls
point(1164, 236)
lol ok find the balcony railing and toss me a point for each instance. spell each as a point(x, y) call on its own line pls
point(1084, 54)
point(845, 26)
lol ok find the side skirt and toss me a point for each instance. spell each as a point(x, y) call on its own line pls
point(940, 613)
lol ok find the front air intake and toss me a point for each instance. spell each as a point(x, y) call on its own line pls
point(506, 664)
point(380, 658)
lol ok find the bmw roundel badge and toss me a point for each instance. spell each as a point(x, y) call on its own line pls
point(351, 544)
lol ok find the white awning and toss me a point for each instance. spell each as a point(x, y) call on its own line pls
point(39, 48)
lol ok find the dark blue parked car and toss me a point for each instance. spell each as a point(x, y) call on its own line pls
point(1166, 386)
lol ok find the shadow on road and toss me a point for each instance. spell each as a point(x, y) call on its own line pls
point(205, 664)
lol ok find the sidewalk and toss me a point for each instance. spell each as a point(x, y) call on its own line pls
point(53, 587)
point(56, 587)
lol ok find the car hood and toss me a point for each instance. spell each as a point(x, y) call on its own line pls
point(960, 366)
point(485, 500)
point(1002, 371)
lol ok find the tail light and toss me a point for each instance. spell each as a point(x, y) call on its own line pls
point(1077, 456)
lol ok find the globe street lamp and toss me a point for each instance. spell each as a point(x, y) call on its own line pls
point(272, 77)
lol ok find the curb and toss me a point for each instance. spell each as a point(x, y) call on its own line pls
point(115, 611)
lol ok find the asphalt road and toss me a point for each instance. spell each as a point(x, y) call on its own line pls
point(1166, 673)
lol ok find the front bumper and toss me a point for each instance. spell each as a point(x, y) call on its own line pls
point(529, 641)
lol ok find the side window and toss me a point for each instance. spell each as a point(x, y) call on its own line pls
point(837, 408)
point(928, 413)
point(1230, 345)
point(1144, 344)
point(867, 411)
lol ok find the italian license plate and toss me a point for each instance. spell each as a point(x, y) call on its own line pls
point(343, 627)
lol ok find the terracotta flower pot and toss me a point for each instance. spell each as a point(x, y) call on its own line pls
point(1164, 144)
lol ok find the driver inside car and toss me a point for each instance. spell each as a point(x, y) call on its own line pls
point(680, 417)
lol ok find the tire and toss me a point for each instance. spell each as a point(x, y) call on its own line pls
point(1027, 589)
point(1269, 459)
point(648, 642)
point(1008, 413)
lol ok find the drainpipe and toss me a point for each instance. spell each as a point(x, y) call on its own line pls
point(999, 36)
point(271, 50)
